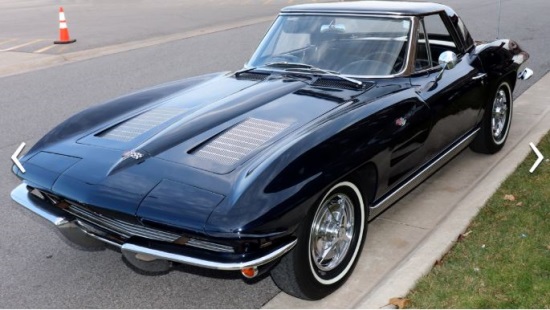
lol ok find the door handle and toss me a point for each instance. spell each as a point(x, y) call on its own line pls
point(480, 76)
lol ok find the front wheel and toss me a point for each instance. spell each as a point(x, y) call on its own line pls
point(496, 122)
point(329, 244)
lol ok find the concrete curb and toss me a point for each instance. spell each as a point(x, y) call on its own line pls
point(419, 262)
point(41, 61)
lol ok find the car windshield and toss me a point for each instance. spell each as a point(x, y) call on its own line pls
point(350, 45)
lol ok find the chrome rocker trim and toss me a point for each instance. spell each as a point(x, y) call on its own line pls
point(73, 230)
point(427, 171)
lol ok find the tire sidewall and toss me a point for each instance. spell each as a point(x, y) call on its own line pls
point(340, 272)
point(508, 91)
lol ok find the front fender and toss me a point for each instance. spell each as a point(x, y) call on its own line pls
point(276, 191)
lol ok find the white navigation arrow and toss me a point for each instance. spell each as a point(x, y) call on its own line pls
point(539, 159)
point(16, 160)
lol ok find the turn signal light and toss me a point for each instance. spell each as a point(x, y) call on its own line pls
point(250, 272)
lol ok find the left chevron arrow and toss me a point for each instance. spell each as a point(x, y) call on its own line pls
point(16, 160)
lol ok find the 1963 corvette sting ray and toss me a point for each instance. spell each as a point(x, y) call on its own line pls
point(278, 167)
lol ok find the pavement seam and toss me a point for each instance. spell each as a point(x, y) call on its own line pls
point(402, 223)
point(391, 279)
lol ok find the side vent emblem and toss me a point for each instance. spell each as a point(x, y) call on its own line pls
point(401, 122)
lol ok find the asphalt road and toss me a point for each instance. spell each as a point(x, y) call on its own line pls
point(33, 24)
point(37, 269)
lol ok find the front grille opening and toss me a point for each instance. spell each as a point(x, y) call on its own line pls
point(211, 246)
point(119, 231)
point(36, 193)
point(122, 228)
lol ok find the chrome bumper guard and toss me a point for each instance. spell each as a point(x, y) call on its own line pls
point(72, 229)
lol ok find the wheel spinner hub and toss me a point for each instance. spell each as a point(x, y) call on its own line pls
point(500, 115)
point(332, 232)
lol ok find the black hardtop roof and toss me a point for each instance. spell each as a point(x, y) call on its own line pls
point(371, 7)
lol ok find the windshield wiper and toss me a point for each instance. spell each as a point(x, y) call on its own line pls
point(300, 67)
point(285, 64)
point(330, 73)
point(243, 70)
point(280, 64)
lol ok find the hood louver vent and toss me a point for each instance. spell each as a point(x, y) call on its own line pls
point(140, 124)
point(240, 141)
point(252, 76)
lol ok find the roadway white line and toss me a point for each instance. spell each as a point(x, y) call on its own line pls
point(6, 41)
point(21, 45)
point(42, 50)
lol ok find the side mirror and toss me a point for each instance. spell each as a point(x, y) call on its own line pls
point(447, 60)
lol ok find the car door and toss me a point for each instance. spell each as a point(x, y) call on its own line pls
point(457, 97)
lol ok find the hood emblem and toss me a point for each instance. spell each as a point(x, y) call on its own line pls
point(132, 154)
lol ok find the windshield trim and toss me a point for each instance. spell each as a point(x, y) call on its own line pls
point(405, 71)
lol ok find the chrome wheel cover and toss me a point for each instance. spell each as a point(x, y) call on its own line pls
point(332, 232)
point(500, 116)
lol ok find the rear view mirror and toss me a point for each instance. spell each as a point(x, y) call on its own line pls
point(337, 28)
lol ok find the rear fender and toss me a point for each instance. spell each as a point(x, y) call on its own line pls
point(502, 58)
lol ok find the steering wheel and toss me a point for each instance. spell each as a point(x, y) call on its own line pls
point(367, 67)
point(388, 58)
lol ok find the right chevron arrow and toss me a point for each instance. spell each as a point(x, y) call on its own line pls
point(539, 159)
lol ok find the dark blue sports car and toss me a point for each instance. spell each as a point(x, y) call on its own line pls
point(343, 109)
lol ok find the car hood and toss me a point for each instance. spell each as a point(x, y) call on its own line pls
point(145, 155)
point(217, 125)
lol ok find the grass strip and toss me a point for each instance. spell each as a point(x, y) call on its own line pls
point(503, 258)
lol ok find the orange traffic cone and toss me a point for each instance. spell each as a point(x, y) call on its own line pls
point(63, 30)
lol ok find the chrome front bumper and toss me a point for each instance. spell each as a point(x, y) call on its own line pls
point(75, 231)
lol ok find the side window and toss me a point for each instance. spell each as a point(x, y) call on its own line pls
point(422, 60)
point(439, 37)
point(468, 41)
